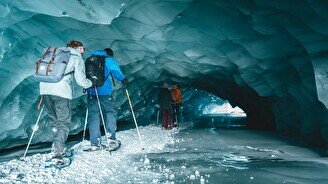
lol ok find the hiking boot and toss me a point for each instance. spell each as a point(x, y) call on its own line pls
point(68, 153)
point(95, 148)
point(108, 135)
point(57, 156)
point(58, 153)
point(59, 162)
point(113, 143)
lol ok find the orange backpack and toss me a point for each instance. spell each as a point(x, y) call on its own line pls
point(176, 95)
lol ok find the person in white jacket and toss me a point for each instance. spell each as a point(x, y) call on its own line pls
point(57, 97)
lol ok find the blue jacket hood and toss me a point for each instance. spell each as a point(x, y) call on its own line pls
point(100, 53)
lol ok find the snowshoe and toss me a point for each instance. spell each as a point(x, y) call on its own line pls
point(61, 161)
point(69, 153)
point(58, 163)
point(113, 145)
point(94, 148)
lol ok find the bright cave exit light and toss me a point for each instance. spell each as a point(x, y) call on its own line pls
point(224, 109)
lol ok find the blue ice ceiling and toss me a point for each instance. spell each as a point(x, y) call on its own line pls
point(269, 57)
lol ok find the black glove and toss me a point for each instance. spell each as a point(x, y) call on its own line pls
point(125, 81)
point(94, 81)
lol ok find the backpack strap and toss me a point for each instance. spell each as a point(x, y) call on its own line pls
point(69, 73)
point(110, 73)
point(40, 59)
point(53, 56)
point(108, 76)
point(40, 102)
point(51, 61)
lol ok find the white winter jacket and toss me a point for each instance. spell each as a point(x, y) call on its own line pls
point(63, 88)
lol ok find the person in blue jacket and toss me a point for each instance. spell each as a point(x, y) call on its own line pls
point(105, 97)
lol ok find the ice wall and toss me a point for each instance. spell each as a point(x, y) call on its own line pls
point(258, 54)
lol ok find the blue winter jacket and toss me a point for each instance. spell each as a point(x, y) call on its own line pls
point(111, 66)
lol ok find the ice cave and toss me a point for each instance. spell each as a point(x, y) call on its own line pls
point(253, 74)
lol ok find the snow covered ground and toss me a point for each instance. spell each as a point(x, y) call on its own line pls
point(129, 164)
point(186, 155)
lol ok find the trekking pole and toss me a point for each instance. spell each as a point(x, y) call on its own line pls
point(101, 115)
point(157, 117)
point(176, 114)
point(134, 117)
point(85, 123)
point(34, 130)
point(176, 118)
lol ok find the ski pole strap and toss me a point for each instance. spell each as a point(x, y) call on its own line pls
point(40, 102)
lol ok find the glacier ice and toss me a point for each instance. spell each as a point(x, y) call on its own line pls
point(266, 57)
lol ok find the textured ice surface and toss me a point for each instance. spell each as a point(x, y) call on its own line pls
point(257, 54)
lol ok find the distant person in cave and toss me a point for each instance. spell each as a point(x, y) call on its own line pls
point(176, 104)
point(57, 98)
point(164, 98)
point(112, 69)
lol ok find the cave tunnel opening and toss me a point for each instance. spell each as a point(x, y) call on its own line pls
point(257, 109)
point(203, 94)
point(203, 110)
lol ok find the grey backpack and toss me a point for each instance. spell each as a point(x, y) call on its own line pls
point(51, 66)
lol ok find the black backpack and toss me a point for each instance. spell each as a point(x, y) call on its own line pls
point(95, 69)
